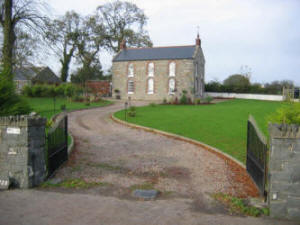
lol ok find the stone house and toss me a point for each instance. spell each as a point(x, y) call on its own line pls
point(159, 73)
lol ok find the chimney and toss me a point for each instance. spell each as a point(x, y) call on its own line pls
point(198, 41)
point(123, 45)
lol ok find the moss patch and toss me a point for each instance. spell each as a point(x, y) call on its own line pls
point(73, 183)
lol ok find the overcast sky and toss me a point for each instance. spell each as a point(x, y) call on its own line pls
point(262, 34)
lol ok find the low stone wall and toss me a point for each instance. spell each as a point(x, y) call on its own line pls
point(22, 151)
point(245, 96)
point(284, 171)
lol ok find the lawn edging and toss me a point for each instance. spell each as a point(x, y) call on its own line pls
point(238, 168)
point(214, 150)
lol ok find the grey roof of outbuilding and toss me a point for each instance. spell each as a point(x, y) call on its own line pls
point(46, 75)
point(24, 73)
point(158, 53)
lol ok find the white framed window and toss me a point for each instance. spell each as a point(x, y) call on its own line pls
point(130, 87)
point(151, 69)
point(130, 70)
point(172, 86)
point(172, 69)
point(150, 86)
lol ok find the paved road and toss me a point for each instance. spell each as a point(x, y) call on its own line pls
point(123, 158)
point(31, 207)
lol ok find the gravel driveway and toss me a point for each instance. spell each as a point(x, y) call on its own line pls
point(123, 159)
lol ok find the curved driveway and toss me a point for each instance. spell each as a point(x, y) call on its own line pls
point(175, 166)
point(124, 159)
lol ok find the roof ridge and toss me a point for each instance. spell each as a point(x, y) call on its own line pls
point(175, 46)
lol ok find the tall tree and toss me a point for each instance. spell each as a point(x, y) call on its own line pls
point(22, 14)
point(89, 43)
point(124, 21)
point(25, 50)
point(62, 34)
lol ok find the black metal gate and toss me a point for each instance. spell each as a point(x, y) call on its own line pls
point(256, 155)
point(57, 145)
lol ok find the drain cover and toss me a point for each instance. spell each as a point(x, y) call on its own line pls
point(145, 194)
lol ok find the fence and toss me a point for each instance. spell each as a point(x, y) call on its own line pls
point(257, 149)
point(57, 145)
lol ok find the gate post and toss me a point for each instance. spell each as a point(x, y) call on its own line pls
point(284, 171)
point(22, 151)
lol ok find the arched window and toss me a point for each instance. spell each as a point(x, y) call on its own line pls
point(172, 68)
point(130, 70)
point(130, 87)
point(151, 69)
point(171, 86)
point(150, 86)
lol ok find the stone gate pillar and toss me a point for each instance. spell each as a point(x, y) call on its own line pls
point(284, 171)
point(22, 151)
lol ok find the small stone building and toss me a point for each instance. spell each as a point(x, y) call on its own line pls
point(159, 73)
point(33, 75)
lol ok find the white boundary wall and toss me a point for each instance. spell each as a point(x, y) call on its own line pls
point(245, 96)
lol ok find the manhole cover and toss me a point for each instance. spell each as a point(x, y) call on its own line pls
point(145, 194)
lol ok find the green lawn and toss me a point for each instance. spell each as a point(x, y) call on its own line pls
point(222, 125)
point(45, 106)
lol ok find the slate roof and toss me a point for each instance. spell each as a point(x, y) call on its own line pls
point(36, 74)
point(158, 53)
point(46, 75)
point(24, 73)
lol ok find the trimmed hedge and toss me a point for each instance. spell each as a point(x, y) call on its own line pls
point(274, 87)
point(43, 90)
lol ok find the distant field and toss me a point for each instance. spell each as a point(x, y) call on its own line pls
point(45, 106)
point(222, 125)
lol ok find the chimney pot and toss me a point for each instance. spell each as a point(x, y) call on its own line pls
point(123, 45)
point(198, 40)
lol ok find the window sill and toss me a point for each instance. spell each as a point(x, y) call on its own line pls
point(150, 93)
point(130, 93)
point(130, 75)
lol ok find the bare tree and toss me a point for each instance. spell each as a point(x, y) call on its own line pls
point(18, 14)
point(124, 21)
point(62, 34)
point(90, 41)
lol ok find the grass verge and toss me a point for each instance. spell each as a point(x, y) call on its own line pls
point(239, 206)
point(144, 186)
point(73, 183)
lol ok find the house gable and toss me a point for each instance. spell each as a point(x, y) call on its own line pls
point(172, 71)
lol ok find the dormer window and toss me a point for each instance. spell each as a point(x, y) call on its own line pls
point(151, 69)
point(130, 70)
point(172, 68)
